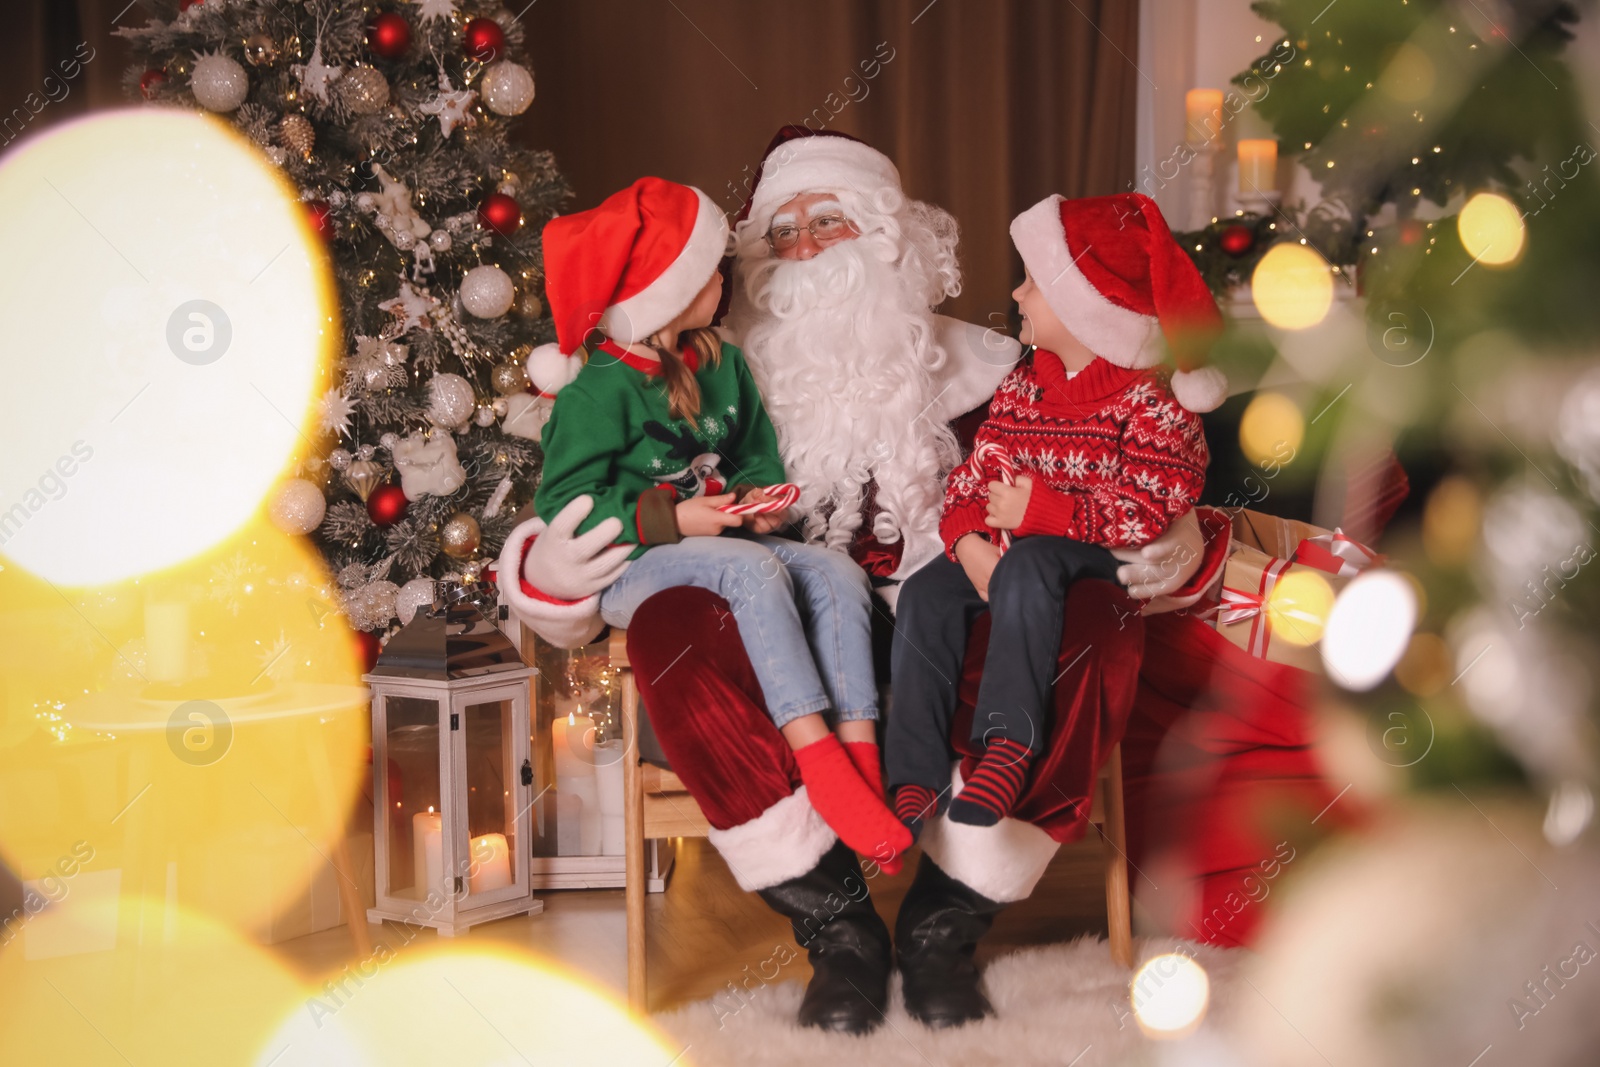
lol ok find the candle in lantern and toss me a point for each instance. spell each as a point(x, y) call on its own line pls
point(572, 740)
point(1258, 166)
point(427, 852)
point(1203, 115)
point(491, 863)
point(166, 640)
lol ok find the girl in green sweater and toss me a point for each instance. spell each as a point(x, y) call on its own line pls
point(662, 427)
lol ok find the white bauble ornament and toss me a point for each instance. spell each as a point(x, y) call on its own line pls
point(526, 414)
point(364, 90)
point(485, 416)
point(428, 465)
point(506, 88)
point(219, 83)
point(450, 400)
point(372, 605)
point(440, 240)
point(297, 506)
point(487, 291)
point(414, 596)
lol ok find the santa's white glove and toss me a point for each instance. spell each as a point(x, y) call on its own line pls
point(1165, 564)
point(570, 566)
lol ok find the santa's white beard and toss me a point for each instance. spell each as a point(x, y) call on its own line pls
point(842, 347)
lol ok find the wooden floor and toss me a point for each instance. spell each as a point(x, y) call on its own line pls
point(704, 930)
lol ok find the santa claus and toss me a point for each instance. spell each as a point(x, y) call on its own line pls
point(835, 274)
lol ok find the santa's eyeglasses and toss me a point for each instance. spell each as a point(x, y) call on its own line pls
point(823, 229)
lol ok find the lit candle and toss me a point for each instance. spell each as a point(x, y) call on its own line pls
point(166, 641)
point(1203, 114)
point(491, 863)
point(1258, 166)
point(427, 853)
point(572, 740)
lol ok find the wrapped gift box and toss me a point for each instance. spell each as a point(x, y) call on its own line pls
point(1264, 552)
point(1249, 618)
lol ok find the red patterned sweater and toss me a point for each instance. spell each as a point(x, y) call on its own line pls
point(1113, 456)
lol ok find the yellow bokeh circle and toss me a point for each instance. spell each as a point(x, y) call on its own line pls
point(1299, 605)
point(1271, 429)
point(1292, 286)
point(1492, 230)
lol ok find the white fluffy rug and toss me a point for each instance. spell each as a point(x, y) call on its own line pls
point(1064, 1005)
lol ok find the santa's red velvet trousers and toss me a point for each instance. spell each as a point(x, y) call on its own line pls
point(1219, 774)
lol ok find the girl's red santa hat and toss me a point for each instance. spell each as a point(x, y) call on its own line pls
point(1109, 268)
point(626, 268)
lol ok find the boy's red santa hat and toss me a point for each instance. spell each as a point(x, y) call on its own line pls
point(626, 268)
point(1109, 268)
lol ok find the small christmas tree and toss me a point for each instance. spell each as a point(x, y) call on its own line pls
point(393, 120)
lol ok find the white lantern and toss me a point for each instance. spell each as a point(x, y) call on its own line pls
point(452, 773)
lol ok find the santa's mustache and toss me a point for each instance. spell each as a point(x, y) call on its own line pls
point(834, 277)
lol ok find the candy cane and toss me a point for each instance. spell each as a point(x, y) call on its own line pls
point(991, 462)
point(783, 496)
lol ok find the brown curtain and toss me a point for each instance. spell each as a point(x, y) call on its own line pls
point(985, 105)
point(38, 38)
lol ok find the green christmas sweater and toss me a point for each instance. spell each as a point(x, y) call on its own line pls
point(612, 436)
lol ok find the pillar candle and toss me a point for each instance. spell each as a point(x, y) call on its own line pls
point(166, 640)
point(1258, 166)
point(491, 863)
point(572, 741)
point(569, 808)
point(1202, 115)
point(427, 852)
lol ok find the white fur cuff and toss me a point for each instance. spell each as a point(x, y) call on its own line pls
point(1003, 862)
point(783, 842)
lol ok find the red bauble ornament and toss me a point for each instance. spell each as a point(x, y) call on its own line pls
point(500, 213)
point(389, 35)
point(151, 81)
point(1236, 240)
point(320, 212)
point(387, 505)
point(483, 40)
point(367, 647)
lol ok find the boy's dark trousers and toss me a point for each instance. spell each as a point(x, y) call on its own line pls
point(934, 615)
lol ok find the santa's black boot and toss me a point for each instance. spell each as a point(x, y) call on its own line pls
point(937, 932)
point(831, 913)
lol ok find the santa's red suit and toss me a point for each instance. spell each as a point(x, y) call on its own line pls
point(1209, 733)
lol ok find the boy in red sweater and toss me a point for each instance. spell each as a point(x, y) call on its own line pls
point(1088, 447)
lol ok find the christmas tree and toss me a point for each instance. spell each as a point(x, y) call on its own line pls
point(394, 123)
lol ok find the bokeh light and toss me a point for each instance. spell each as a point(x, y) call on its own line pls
point(1271, 428)
point(477, 1007)
point(1292, 286)
point(1451, 520)
point(181, 296)
point(1169, 994)
point(1492, 230)
point(1299, 605)
point(1368, 629)
point(171, 987)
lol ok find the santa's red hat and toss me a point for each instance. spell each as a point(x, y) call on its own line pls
point(801, 160)
point(625, 268)
point(1111, 271)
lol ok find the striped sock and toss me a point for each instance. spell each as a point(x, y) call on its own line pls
point(913, 804)
point(992, 791)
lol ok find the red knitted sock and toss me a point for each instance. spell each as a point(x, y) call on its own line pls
point(915, 804)
point(864, 754)
point(992, 791)
point(845, 803)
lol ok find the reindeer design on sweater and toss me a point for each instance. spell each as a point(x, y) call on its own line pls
point(702, 472)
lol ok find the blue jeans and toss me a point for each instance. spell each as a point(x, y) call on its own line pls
point(804, 613)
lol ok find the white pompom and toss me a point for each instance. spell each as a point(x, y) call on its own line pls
point(549, 369)
point(1203, 389)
